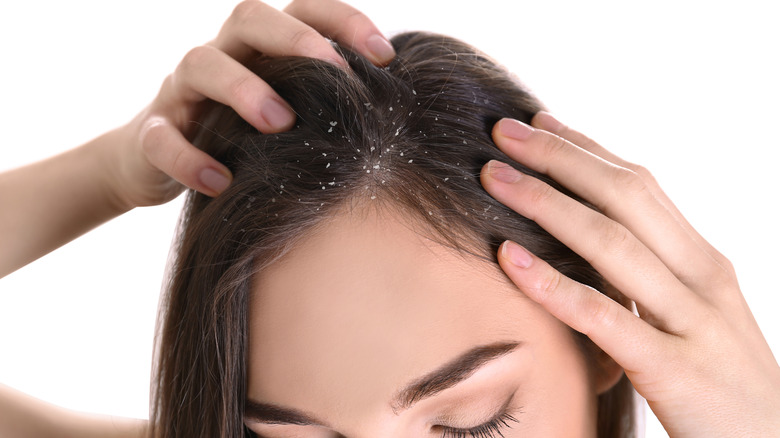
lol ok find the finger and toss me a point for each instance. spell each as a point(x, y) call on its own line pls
point(208, 72)
point(631, 342)
point(619, 193)
point(608, 246)
point(255, 26)
point(345, 24)
point(167, 149)
point(546, 121)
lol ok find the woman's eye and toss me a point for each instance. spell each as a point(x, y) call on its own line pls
point(491, 429)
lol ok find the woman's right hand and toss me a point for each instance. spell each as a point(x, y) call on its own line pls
point(151, 159)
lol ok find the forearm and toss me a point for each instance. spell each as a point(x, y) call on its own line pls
point(22, 416)
point(49, 203)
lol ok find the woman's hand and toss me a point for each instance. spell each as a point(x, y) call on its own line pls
point(695, 352)
point(153, 157)
point(147, 161)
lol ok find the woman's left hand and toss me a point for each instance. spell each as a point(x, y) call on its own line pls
point(695, 351)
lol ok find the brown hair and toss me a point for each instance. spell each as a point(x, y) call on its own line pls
point(414, 134)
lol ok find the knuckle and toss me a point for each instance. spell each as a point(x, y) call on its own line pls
point(624, 177)
point(547, 284)
point(244, 10)
point(643, 173)
point(628, 183)
point(555, 145)
point(355, 19)
point(151, 135)
point(305, 38)
point(194, 59)
point(721, 276)
point(541, 194)
point(612, 236)
point(725, 264)
point(241, 87)
point(599, 312)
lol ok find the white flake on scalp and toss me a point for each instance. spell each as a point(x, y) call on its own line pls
point(327, 165)
point(334, 123)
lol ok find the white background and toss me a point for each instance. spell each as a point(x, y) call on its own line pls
point(688, 89)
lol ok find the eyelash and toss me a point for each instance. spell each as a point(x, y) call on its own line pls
point(490, 429)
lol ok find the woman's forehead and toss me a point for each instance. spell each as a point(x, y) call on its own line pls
point(366, 299)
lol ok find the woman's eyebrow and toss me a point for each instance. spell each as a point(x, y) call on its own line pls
point(446, 376)
point(274, 414)
point(449, 374)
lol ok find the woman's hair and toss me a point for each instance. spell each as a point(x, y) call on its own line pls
point(411, 136)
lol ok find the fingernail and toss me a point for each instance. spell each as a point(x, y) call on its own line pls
point(547, 122)
point(516, 254)
point(380, 48)
point(277, 115)
point(515, 129)
point(214, 179)
point(503, 172)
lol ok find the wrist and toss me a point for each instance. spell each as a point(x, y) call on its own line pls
point(106, 150)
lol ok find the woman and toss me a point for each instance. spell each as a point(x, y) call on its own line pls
point(638, 363)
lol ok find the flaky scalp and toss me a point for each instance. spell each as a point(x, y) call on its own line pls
point(412, 136)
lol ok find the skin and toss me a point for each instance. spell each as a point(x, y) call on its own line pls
point(367, 304)
point(702, 363)
point(149, 160)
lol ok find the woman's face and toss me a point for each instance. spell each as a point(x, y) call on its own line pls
point(367, 329)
